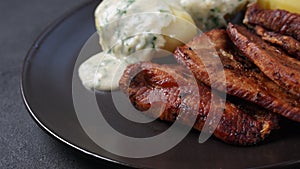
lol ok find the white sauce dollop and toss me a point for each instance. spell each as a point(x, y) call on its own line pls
point(100, 71)
point(126, 27)
point(209, 14)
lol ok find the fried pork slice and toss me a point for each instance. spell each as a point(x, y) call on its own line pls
point(154, 83)
point(280, 21)
point(243, 78)
point(288, 43)
point(274, 63)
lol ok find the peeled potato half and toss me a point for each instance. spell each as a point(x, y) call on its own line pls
point(289, 5)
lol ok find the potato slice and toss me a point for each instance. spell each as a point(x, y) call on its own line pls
point(289, 5)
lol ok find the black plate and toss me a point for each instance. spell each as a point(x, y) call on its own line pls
point(47, 92)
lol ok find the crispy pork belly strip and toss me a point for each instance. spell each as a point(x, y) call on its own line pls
point(277, 65)
point(280, 21)
point(243, 79)
point(239, 124)
point(288, 43)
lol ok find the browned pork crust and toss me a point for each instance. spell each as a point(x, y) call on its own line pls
point(243, 79)
point(280, 21)
point(277, 65)
point(239, 124)
point(288, 43)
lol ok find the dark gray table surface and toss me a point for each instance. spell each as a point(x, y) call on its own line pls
point(23, 144)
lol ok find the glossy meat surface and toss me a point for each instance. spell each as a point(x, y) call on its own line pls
point(274, 63)
point(280, 21)
point(243, 79)
point(148, 83)
point(288, 43)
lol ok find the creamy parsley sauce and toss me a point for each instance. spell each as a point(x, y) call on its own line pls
point(101, 72)
point(123, 27)
point(209, 14)
point(126, 27)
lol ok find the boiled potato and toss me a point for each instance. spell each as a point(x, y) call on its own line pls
point(289, 5)
point(180, 31)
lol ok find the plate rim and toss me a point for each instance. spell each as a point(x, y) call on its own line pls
point(31, 52)
point(37, 42)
